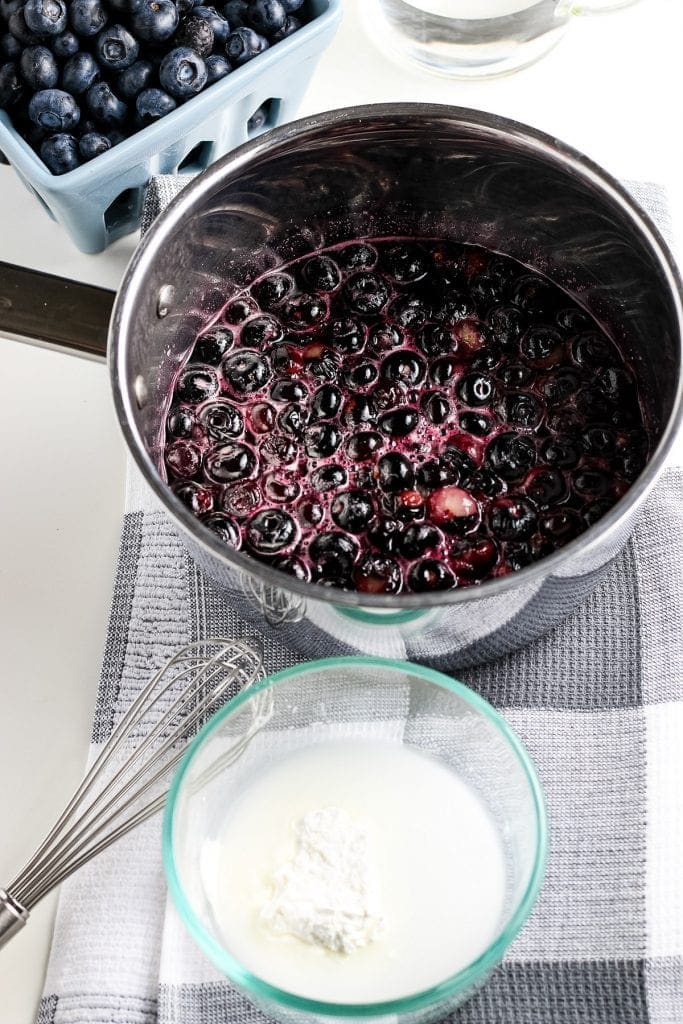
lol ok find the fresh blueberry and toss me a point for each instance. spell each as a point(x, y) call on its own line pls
point(243, 45)
point(430, 574)
point(328, 478)
point(398, 422)
point(217, 67)
point(10, 7)
point(221, 421)
point(246, 372)
point(363, 445)
point(270, 531)
point(194, 32)
point(321, 274)
point(366, 293)
point(54, 109)
point(65, 45)
point(46, 17)
point(333, 555)
point(182, 73)
point(305, 311)
point(212, 346)
point(290, 26)
point(116, 48)
point(378, 575)
point(476, 389)
point(511, 519)
point(60, 153)
point(346, 335)
point(511, 456)
point(105, 106)
point(232, 462)
point(405, 367)
point(20, 30)
point(292, 5)
point(87, 17)
point(153, 104)
point(10, 48)
point(352, 511)
point(80, 72)
point(196, 385)
point(134, 79)
point(395, 473)
point(219, 26)
point(93, 144)
point(436, 407)
point(321, 440)
point(155, 20)
point(266, 16)
point(236, 13)
point(475, 423)
point(11, 85)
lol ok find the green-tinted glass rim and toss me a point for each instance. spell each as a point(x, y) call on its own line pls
point(379, 618)
point(456, 983)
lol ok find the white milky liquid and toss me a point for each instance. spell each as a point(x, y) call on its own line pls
point(436, 864)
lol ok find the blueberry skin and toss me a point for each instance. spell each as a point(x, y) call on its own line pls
point(217, 67)
point(134, 79)
point(87, 17)
point(11, 85)
point(65, 45)
point(46, 17)
point(267, 16)
point(60, 153)
point(196, 33)
point(80, 72)
point(153, 104)
point(10, 48)
point(20, 30)
point(54, 109)
point(39, 68)
point(116, 48)
point(221, 28)
point(182, 73)
point(243, 45)
point(92, 144)
point(236, 13)
point(291, 26)
point(155, 20)
point(105, 106)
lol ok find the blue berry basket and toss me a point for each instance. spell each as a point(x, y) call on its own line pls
point(101, 200)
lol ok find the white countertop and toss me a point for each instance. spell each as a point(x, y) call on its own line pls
point(611, 88)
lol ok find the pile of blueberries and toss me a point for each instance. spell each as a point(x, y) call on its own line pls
point(79, 76)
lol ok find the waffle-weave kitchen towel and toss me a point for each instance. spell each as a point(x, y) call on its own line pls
point(599, 704)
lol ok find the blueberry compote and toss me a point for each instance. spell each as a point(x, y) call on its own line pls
point(400, 415)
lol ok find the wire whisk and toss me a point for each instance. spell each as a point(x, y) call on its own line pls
point(127, 782)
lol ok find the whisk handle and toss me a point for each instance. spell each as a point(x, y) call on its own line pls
point(13, 917)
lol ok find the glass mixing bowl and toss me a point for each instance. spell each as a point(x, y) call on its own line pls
point(352, 698)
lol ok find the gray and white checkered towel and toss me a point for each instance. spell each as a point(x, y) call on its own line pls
point(599, 704)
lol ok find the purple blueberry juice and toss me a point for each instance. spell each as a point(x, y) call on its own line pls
point(395, 415)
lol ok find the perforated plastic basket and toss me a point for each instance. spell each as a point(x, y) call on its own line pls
point(101, 200)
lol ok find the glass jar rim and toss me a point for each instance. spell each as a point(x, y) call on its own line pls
point(450, 986)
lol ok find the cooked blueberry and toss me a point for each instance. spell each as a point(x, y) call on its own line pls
point(196, 385)
point(261, 330)
point(539, 343)
point(358, 410)
point(511, 519)
point(386, 535)
point(281, 489)
point(225, 528)
point(487, 358)
point(237, 311)
point(593, 404)
point(630, 463)
point(436, 407)
point(270, 531)
point(321, 274)
point(475, 423)
point(433, 474)
point(287, 390)
point(361, 375)
point(105, 106)
point(182, 73)
point(522, 410)
point(366, 293)
point(329, 478)
point(459, 463)
point(538, 298)
point(590, 482)
point(87, 17)
point(562, 451)
point(346, 335)
point(507, 324)
point(60, 153)
point(485, 481)
point(418, 539)
point(356, 256)
point(434, 340)
point(217, 67)
point(352, 511)
point(304, 311)
point(595, 511)
point(321, 440)
point(221, 420)
point(474, 560)
point(231, 462)
point(153, 104)
point(383, 337)
point(197, 498)
point(376, 574)
point(616, 384)
point(194, 31)
point(592, 350)
point(485, 291)
point(272, 290)
point(510, 456)
point(363, 445)
point(326, 402)
point(410, 310)
point(388, 395)
point(546, 487)
point(324, 368)
point(442, 370)
point(398, 422)
point(183, 458)
point(430, 574)
point(598, 440)
point(180, 423)
point(561, 385)
point(93, 144)
point(454, 307)
point(246, 372)
point(212, 346)
point(405, 262)
point(293, 566)
point(476, 389)
point(395, 473)
point(572, 319)
point(333, 555)
point(116, 48)
point(39, 68)
point(54, 109)
point(516, 375)
point(311, 512)
point(45, 17)
point(561, 525)
point(404, 366)
point(292, 420)
point(242, 499)
point(261, 417)
point(243, 45)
